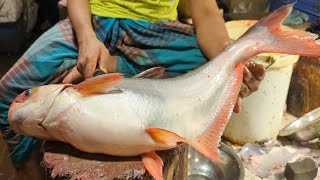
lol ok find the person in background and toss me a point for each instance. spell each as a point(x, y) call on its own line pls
point(117, 36)
point(48, 14)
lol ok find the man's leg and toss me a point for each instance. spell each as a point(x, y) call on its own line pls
point(140, 45)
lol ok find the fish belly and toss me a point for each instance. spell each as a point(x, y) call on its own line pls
point(113, 124)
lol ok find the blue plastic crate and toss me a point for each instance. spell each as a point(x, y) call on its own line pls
point(310, 7)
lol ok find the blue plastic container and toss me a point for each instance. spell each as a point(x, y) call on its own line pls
point(310, 7)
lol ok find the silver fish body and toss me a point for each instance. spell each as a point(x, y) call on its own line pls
point(115, 123)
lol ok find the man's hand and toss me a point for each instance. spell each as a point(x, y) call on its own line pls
point(92, 55)
point(253, 74)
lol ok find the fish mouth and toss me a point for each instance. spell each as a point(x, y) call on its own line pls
point(11, 109)
point(33, 125)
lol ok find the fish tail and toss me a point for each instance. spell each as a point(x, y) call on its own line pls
point(271, 37)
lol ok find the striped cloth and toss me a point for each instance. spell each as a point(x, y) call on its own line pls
point(138, 45)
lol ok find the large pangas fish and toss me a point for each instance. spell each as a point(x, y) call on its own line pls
point(137, 116)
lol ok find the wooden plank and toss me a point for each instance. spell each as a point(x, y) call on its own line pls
point(62, 161)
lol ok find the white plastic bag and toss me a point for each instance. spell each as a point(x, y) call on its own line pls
point(10, 10)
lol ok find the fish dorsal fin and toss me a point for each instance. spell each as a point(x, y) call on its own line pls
point(206, 143)
point(152, 73)
point(99, 84)
point(153, 164)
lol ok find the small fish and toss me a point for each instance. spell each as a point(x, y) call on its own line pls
point(138, 116)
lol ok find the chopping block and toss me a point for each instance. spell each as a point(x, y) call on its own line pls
point(304, 94)
point(63, 161)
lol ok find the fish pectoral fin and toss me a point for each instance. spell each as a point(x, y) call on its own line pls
point(205, 143)
point(152, 73)
point(153, 164)
point(99, 85)
point(163, 136)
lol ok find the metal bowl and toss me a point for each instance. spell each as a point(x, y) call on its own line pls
point(304, 128)
point(201, 168)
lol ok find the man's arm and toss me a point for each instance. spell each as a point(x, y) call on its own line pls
point(92, 53)
point(80, 16)
point(210, 27)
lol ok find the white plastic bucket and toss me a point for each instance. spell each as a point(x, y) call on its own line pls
point(261, 112)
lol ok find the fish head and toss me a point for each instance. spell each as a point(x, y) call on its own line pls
point(30, 108)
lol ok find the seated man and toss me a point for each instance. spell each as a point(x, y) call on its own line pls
point(117, 36)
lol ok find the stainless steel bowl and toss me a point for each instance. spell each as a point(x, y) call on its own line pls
point(304, 128)
point(201, 168)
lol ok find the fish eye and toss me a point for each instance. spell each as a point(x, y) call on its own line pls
point(28, 92)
